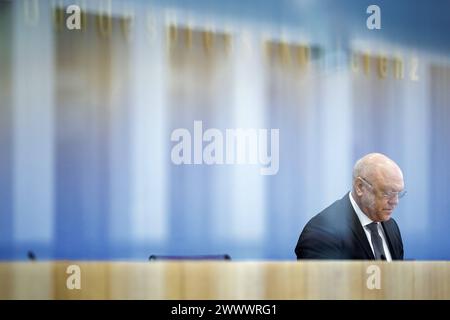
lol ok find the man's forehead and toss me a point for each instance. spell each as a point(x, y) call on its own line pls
point(389, 179)
point(390, 183)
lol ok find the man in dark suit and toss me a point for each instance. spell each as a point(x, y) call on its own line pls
point(359, 226)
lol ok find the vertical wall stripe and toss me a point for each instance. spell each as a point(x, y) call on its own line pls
point(33, 125)
point(248, 215)
point(149, 139)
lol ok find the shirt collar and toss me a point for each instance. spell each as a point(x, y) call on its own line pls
point(363, 219)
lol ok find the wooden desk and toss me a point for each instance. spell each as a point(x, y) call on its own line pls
point(226, 280)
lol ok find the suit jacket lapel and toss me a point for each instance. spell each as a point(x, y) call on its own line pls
point(358, 231)
point(388, 238)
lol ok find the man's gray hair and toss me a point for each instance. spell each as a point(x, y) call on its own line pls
point(361, 169)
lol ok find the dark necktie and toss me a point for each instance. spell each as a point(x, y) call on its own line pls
point(377, 242)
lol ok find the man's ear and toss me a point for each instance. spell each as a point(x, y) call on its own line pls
point(357, 185)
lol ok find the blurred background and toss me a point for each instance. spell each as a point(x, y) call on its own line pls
point(86, 118)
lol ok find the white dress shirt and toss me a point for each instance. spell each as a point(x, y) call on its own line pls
point(365, 220)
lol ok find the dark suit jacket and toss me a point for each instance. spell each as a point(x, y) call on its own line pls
point(336, 233)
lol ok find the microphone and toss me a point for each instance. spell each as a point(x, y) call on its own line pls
point(31, 256)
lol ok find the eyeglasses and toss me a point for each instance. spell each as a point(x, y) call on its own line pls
point(387, 195)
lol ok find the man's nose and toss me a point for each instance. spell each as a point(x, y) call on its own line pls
point(393, 200)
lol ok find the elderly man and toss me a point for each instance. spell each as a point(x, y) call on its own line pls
point(359, 226)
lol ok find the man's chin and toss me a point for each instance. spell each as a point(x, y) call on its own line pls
point(387, 214)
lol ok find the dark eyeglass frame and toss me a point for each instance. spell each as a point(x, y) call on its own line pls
point(386, 195)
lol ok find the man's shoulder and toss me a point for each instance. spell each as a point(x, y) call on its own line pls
point(334, 216)
point(391, 225)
